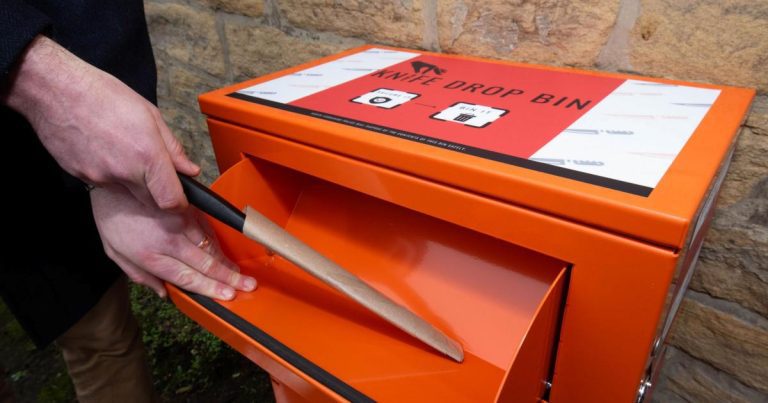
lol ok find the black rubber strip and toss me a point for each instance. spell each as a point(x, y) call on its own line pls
point(558, 332)
point(281, 350)
point(615, 184)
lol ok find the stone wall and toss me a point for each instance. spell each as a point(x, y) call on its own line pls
point(719, 344)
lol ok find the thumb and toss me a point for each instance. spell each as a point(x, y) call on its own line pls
point(163, 184)
point(179, 158)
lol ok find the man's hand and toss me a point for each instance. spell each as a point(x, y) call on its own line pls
point(150, 244)
point(96, 127)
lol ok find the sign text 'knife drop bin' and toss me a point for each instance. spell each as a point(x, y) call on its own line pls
point(548, 219)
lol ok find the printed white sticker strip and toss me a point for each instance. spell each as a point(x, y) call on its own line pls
point(632, 135)
point(315, 79)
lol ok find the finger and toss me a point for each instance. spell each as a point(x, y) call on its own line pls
point(198, 229)
point(139, 275)
point(140, 192)
point(179, 158)
point(214, 268)
point(215, 250)
point(163, 184)
point(181, 275)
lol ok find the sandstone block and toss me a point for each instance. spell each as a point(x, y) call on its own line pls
point(189, 126)
point(250, 8)
point(734, 258)
point(714, 41)
point(255, 50)
point(758, 117)
point(685, 379)
point(748, 167)
point(744, 287)
point(551, 32)
point(163, 84)
point(187, 85)
point(390, 22)
point(187, 35)
point(726, 338)
point(749, 164)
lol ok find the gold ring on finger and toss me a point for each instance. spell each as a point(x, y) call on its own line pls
point(203, 244)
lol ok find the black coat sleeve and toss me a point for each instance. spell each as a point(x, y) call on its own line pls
point(19, 24)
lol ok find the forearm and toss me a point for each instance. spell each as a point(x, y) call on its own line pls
point(97, 128)
point(45, 73)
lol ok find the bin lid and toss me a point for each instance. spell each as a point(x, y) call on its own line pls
point(630, 155)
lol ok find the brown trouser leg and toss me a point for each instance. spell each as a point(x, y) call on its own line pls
point(104, 353)
point(6, 392)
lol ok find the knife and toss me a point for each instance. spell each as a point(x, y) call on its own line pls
point(259, 228)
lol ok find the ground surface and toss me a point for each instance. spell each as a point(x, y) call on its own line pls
point(188, 364)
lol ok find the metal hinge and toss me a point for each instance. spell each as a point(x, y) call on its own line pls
point(642, 391)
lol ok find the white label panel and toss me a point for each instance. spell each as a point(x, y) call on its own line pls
point(315, 79)
point(632, 135)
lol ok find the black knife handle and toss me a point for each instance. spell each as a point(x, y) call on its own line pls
point(211, 203)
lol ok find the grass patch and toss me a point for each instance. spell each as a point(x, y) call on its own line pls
point(188, 363)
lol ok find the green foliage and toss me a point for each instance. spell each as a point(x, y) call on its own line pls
point(190, 363)
point(181, 353)
point(58, 389)
point(12, 331)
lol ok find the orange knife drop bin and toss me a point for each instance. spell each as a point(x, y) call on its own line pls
point(547, 219)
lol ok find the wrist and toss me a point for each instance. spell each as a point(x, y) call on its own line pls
point(45, 72)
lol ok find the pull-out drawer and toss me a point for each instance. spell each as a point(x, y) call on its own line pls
point(502, 302)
